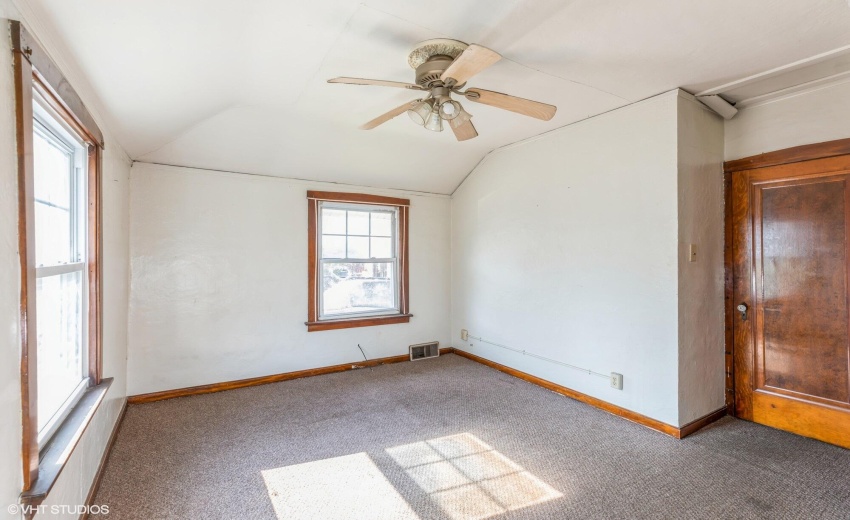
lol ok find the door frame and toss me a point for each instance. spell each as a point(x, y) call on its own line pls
point(779, 157)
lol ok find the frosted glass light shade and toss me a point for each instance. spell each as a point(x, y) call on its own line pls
point(450, 110)
point(462, 117)
point(421, 111)
point(434, 123)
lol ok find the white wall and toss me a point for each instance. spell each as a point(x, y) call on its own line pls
point(219, 279)
point(75, 481)
point(565, 246)
point(702, 380)
point(809, 117)
point(568, 246)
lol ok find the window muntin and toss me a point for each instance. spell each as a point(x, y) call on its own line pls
point(60, 193)
point(358, 260)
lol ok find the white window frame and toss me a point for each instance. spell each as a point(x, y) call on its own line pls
point(394, 260)
point(50, 126)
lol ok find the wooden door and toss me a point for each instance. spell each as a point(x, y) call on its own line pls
point(790, 239)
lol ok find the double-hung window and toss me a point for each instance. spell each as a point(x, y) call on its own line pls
point(60, 195)
point(59, 210)
point(358, 260)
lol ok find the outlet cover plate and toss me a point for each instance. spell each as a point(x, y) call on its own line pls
point(616, 380)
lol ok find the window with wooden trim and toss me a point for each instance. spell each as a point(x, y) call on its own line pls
point(358, 260)
point(59, 204)
point(60, 164)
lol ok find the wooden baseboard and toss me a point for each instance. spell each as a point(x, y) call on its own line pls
point(702, 422)
point(673, 431)
point(654, 424)
point(276, 378)
point(98, 476)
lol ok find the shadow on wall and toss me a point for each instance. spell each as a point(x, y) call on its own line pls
point(463, 475)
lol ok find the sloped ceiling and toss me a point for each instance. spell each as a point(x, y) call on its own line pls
point(241, 86)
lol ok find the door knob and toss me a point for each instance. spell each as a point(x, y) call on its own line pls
point(742, 308)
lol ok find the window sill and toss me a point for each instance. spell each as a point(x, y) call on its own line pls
point(54, 457)
point(313, 326)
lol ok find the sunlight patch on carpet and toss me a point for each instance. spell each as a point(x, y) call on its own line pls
point(338, 488)
point(468, 479)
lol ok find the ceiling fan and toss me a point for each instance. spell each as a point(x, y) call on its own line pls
point(443, 67)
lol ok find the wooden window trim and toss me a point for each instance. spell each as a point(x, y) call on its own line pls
point(34, 71)
point(403, 205)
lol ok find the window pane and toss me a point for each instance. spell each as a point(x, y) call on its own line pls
point(59, 301)
point(333, 221)
point(358, 247)
point(333, 247)
point(52, 235)
point(381, 247)
point(382, 224)
point(52, 165)
point(357, 287)
point(358, 222)
point(53, 195)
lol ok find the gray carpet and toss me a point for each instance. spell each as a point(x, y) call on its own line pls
point(450, 439)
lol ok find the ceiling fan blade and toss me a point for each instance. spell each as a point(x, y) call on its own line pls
point(519, 105)
point(383, 118)
point(377, 82)
point(470, 62)
point(464, 131)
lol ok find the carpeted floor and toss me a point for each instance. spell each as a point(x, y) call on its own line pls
point(450, 439)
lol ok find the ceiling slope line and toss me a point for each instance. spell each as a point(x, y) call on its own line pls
point(547, 132)
point(329, 49)
point(529, 67)
point(185, 131)
point(299, 180)
point(470, 172)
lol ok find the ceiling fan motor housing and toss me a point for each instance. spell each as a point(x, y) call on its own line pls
point(432, 57)
point(430, 71)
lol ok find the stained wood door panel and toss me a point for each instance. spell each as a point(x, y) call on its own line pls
point(790, 227)
point(822, 423)
point(801, 268)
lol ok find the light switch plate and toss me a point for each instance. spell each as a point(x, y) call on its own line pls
point(464, 334)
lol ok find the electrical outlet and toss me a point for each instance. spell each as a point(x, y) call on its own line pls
point(464, 334)
point(616, 380)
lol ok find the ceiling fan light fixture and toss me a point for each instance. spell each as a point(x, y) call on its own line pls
point(442, 68)
point(462, 117)
point(434, 123)
point(421, 111)
point(450, 109)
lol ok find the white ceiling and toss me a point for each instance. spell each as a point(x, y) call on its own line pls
point(240, 86)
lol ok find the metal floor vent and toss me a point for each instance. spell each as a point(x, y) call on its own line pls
point(424, 351)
